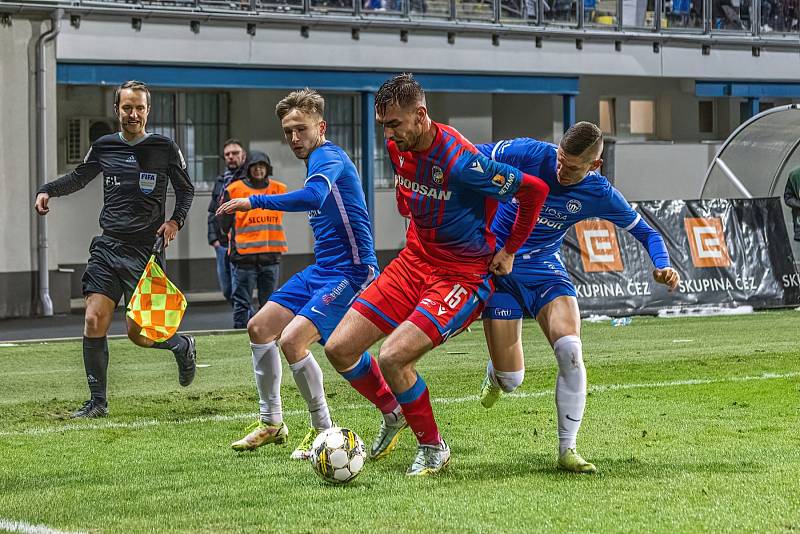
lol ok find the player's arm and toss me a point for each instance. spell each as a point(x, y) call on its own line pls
point(74, 180)
point(622, 214)
point(310, 197)
point(504, 183)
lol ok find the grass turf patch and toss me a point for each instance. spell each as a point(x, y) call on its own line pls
point(688, 435)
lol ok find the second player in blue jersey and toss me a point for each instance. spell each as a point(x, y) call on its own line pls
point(539, 286)
point(311, 303)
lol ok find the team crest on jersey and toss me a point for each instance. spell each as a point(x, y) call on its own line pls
point(574, 206)
point(147, 182)
point(499, 180)
point(437, 174)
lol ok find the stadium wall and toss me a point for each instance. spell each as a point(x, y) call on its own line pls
point(673, 169)
point(18, 161)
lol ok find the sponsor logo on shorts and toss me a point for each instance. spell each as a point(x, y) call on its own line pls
point(502, 312)
point(599, 246)
point(707, 242)
point(315, 310)
point(147, 182)
point(333, 295)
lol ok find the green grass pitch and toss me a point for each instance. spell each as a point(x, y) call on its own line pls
point(694, 424)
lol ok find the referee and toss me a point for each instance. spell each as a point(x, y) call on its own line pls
point(136, 167)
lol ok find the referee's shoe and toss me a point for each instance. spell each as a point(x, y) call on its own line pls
point(186, 361)
point(91, 409)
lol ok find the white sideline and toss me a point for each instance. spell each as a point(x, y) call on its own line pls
point(8, 525)
point(453, 400)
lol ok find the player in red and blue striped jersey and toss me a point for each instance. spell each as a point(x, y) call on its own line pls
point(441, 280)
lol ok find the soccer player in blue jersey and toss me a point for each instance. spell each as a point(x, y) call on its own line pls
point(309, 305)
point(538, 285)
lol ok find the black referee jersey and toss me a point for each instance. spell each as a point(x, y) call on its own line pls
point(135, 176)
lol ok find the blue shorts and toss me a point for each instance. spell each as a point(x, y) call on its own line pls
point(532, 284)
point(323, 295)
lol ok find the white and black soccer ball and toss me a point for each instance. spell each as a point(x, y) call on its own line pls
point(338, 455)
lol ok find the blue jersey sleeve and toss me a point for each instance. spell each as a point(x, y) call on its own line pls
point(486, 149)
point(326, 163)
point(309, 198)
point(653, 242)
point(488, 178)
point(622, 214)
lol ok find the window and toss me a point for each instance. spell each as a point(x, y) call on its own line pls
point(643, 117)
point(608, 119)
point(342, 113)
point(705, 116)
point(198, 122)
point(74, 153)
point(344, 124)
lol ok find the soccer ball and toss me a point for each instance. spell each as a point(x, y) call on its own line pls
point(338, 455)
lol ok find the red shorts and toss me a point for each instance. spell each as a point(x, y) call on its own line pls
point(441, 304)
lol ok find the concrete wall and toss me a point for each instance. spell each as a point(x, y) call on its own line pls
point(650, 171)
point(18, 159)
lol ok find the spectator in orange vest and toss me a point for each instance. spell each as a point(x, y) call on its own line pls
point(256, 239)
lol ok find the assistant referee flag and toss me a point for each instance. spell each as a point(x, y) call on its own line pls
point(157, 306)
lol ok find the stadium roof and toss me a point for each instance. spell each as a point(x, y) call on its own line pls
point(757, 157)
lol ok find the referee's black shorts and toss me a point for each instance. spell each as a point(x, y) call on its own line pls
point(115, 267)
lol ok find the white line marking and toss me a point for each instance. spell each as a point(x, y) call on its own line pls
point(20, 526)
point(146, 423)
point(682, 340)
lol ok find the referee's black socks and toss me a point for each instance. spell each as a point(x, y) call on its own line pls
point(177, 344)
point(95, 361)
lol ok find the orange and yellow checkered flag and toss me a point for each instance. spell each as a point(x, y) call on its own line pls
point(157, 306)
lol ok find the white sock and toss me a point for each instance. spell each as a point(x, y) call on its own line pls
point(308, 377)
point(268, 371)
point(570, 390)
point(508, 381)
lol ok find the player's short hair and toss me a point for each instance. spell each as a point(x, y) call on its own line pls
point(580, 137)
point(133, 85)
point(401, 91)
point(306, 100)
point(232, 141)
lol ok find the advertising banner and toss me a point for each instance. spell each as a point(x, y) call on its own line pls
point(729, 253)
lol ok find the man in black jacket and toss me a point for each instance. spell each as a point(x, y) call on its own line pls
point(235, 155)
point(136, 167)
